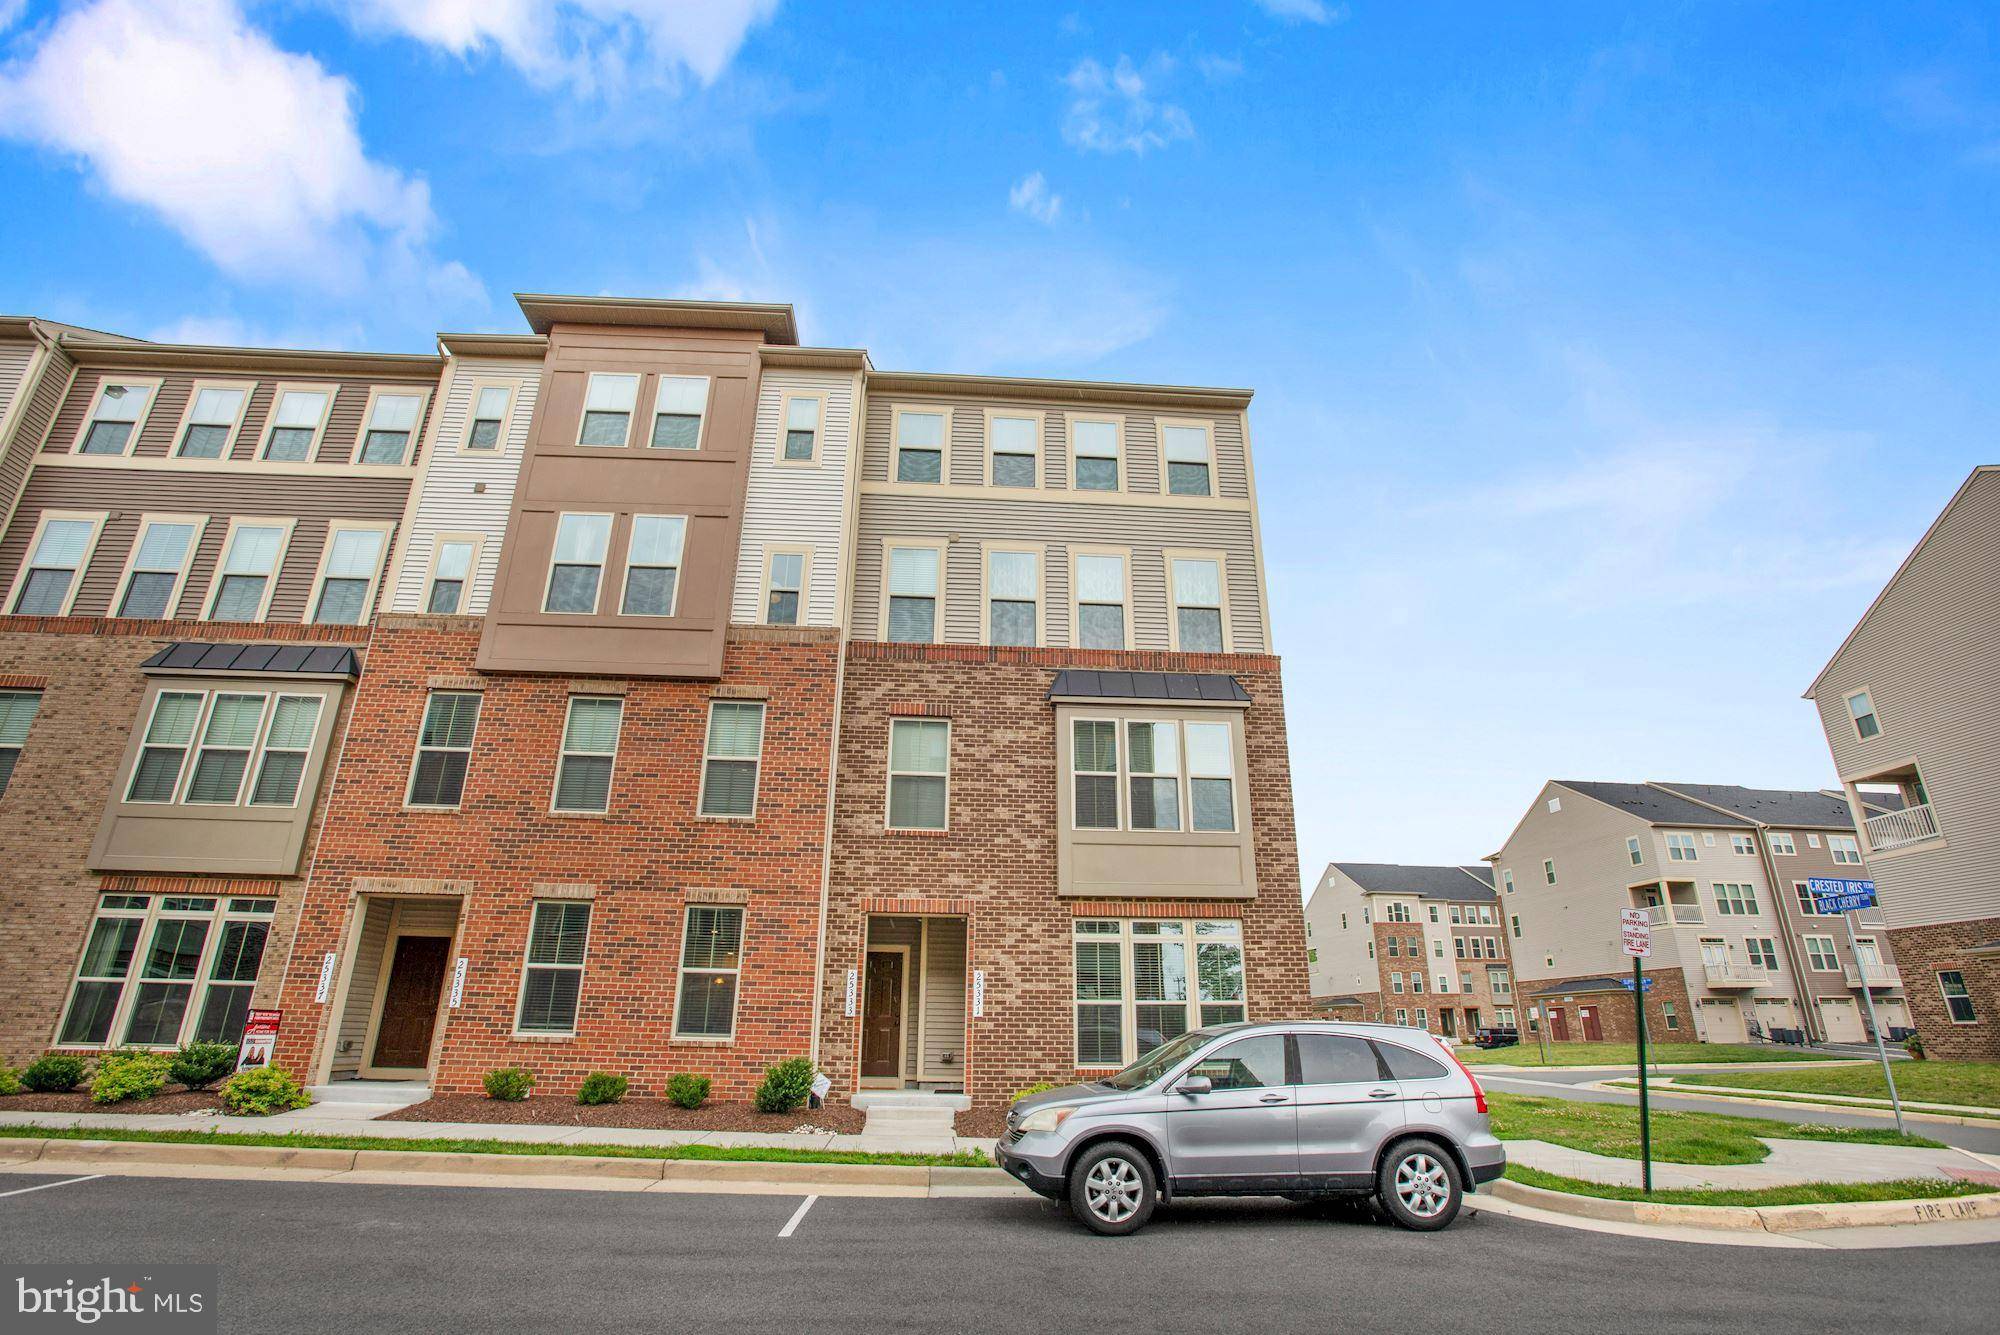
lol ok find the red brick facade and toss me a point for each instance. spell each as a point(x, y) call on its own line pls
point(640, 863)
point(1924, 952)
point(1613, 1007)
point(996, 862)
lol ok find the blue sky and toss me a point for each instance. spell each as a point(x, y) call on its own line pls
point(1607, 358)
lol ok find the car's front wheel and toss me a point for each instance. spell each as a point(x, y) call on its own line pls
point(1419, 1185)
point(1112, 1189)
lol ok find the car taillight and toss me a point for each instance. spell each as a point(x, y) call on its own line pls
point(1478, 1094)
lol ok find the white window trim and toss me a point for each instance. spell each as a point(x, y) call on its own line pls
point(1548, 871)
point(631, 418)
point(152, 386)
point(756, 787)
point(1681, 846)
point(805, 555)
point(1783, 845)
point(1128, 1002)
point(660, 380)
point(785, 400)
point(278, 392)
point(408, 463)
point(478, 541)
point(215, 578)
point(527, 946)
point(1748, 905)
point(681, 969)
point(1035, 415)
point(1847, 703)
point(1078, 551)
point(1221, 559)
point(1946, 997)
point(563, 751)
point(130, 773)
point(197, 743)
point(896, 415)
point(95, 518)
point(256, 766)
point(131, 568)
point(148, 918)
point(1041, 556)
point(1815, 953)
point(385, 527)
point(604, 562)
point(1184, 778)
point(1851, 846)
point(1807, 909)
point(245, 387)
point(1117, 424)
point(943, 549)
point(479, 716)
point(1634, 853)
point(625, 567)
point(890, 770)
point(478, 386)
point(1207, 428)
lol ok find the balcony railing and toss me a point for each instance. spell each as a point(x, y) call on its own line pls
point(1866, 974)
point(1734, 975)
point(1900, 829)
point(1666, 915)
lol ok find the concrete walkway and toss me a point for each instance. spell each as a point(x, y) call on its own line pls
point(1790, 1162)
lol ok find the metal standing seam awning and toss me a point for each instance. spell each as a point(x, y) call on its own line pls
point(1209, 688)
point(255, 660)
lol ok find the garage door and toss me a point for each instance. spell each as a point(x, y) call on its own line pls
point(1722, 1022)
point(1842, 1019)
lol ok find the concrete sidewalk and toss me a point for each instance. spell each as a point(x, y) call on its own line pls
point(1790, 1162)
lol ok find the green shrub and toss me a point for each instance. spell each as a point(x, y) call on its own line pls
point(786, 1086)
point(509, 1084)
point(602, 1087)
point(10, 1081)
point(53, 1073)
point(127, 1074)
point(1914, 1045)
point(259, 1091)
point(199, 1065)
point(1031, 1090)
point(688, 1091)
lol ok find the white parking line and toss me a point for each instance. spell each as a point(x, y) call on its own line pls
point(66, 1182)
point(798, 1214)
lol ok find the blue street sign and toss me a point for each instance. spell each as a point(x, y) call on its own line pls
point(1626, 983)
point(1833, 895)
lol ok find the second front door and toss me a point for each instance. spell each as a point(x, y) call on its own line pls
point(882, 1015)
point(410, 1003)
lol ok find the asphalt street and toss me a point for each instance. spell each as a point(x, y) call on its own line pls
point(358, 1258)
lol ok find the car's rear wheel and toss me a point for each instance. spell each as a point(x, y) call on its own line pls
point(1112, 1190)
point(1419, 1185)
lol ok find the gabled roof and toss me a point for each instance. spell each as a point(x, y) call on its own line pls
point(1653, 805)
point(1465, 884)
point(1773, 806)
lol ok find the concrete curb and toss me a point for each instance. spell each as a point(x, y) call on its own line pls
point(1744, 1218)
point(1669, 1068)
point(1725, 1094)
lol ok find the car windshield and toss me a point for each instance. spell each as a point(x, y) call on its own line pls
point(1157, 1062)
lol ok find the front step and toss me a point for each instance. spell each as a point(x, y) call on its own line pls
point(909, 1115)
point(381, 1094)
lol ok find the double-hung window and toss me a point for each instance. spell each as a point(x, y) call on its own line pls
point(653, 565)
point(1744, 844)
point(1094, 443)
point(347, 581)
point(577, 568)
point(1211, 777)
point(1845, 849)
point(1013, 596)
point(1549, 870)
point(589, 746)
point(913, 594)
point(1100, 600)
point(114, 418)
point(919, 774)
point(392, 421)
point(163, 751)
point(784, 588)
point(1015, 445)
point(227, 739)
point(801, 429)
point(249, 571)
point(1807, 904)
point(191, 981)
point(1094, 763)
point(1783, 845)
point(449, 574)
point(287, 744)
point(678, 407)
point(295, 424)
point(1139, 984)
point(168, 971)
point(160, 560)
point(1821, 955)
point(54, 569)
point(608, 404)
point(1957, 997)
point(731, 758)
point(1763, 952)
point(1680, 848)
point(444, 749)
point(1861, 709)
point(711, 965)
point(1736, 900)
point(212, 418)
point(552, 979)
point(919, 446)
point(1187, 449)
point(17, 715)
point(1178, 775)
point(1633, 851)
point(489, 414)
point(1153, 782)
point(1197, 594)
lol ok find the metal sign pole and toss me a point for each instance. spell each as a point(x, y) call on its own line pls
point(1868, 1000)
point(1645, 1103)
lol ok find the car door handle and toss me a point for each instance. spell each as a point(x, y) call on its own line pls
point(1275, 1098)
point(1381, 1093)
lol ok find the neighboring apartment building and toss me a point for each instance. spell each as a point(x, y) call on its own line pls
point(1722, 872)
point(666, 696)
point(1422, 946)
point(1911, 707)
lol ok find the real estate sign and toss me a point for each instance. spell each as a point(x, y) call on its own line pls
point(260, 1039)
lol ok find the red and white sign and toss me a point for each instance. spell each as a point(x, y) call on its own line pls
point(1636, 930)
point(260, 1039)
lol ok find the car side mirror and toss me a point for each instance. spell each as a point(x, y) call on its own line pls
point(1194, 1084)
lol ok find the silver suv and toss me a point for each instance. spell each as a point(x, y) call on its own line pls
point(1296, 1109)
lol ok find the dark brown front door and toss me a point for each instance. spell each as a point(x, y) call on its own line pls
point(409, 1009)
point(1558, 1025)
point(882, 1014)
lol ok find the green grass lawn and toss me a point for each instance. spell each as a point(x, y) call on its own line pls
point(294, 1140)
point(1528, 1053)
point(1678, 1137)
point(1972, 1084)
point(1805, 1193)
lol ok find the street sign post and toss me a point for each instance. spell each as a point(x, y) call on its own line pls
point(1635, 931)
point(1832, 894)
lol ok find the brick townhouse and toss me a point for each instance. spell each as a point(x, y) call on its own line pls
point(650, 693)
point(1416, 945)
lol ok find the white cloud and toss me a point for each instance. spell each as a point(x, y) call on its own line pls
point(10, 12)
point(590, 46)
point(250, 152)
point(1306, 11)
point(1116, 110)
point(1218, 69)
point(1031, 195)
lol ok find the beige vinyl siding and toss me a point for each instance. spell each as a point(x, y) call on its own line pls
point(1343, 965)
point(32, 419)
point(14, 361)
point(944, 1001)
point(1054, 526)
point(796, 505)
point(450, 501)
point(348, 1053)
point(1926, 654)
point(127, 493)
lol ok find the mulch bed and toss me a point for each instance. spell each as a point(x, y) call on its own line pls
point(986, 1121)
point(651, 1114)
point(176, 1100)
